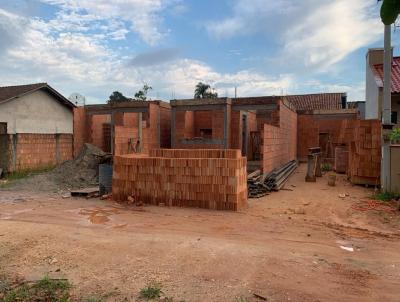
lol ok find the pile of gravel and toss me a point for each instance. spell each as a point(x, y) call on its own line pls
point(78, 173)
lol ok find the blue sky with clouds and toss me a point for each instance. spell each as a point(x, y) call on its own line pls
point(263, 47)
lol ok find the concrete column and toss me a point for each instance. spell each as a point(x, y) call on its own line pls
point(318, 171)
point(14, 140)
point(140, 136)
point(159, 125)
point(58, 155)
point(226, 127)
point(387, 110)
point(112, 132)
point(310, 177)
point(173, 120)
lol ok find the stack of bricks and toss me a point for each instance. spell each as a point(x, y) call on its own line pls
point(204, 178)
point(341, 159)
point(365, 153)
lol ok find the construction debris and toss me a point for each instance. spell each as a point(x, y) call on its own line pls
point(87, 192)
point(259, 185)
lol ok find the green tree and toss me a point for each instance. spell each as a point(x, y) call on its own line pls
point(141, 95)
point(116, 97)
point(203, 91)
point(390, 10)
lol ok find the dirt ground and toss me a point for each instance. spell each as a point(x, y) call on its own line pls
point(304, 243)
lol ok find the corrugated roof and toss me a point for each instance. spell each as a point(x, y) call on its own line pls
point(317, 101)
point(8, 93)
point(378, 72)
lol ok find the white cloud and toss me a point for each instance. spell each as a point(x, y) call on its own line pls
point(143, 16)
point(332, 31)
point(77, 62)
point(311, 33)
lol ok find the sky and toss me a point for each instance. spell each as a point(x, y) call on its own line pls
point(262, 47)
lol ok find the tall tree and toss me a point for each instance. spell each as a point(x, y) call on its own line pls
point(116, 97)
point(203, 91)
point(141, 95)
point(390, 10)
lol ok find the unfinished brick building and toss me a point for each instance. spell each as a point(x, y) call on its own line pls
point(36, 127)
point(123, 127)
point(238, 124)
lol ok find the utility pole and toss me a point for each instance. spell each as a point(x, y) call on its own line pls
point(387, 110)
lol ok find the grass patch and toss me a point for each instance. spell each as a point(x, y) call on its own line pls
point(15, 176)
point(151, 292)
point(386, 196)
point(46, 289)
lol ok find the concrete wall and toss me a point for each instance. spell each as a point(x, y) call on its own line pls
point(37, 112)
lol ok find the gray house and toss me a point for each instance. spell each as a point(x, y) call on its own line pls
point(374, 86)
point(36, 127)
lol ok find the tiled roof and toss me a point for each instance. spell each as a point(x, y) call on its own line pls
point(10, 92)
point(319, 101)
point(378, 72)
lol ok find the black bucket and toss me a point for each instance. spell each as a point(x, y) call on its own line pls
point(105, 178)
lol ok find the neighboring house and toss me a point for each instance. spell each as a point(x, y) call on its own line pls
point(360, 106)
point(36, 127)
point(318, 101)
point(374, 86)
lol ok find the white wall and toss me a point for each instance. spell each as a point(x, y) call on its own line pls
point(371, 96)
point(37, 112)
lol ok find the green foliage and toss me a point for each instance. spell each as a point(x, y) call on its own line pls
point(203, 91)
point(395, 135)
point(14, 176)
point(326, 167)
point(46, 289)
point(116, 97)
point(386, 196)
point(151, 292)
point(390, 10)
point(241, 299)
point(141, 95)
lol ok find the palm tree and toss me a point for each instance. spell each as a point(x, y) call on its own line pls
point(201, 90)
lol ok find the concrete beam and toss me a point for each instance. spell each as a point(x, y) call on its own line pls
point(236, 107)
point(204, 107)
point(194, 141)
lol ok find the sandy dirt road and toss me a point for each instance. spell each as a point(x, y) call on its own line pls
point(293, 245)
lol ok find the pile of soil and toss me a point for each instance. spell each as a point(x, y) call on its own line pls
point(78, 173)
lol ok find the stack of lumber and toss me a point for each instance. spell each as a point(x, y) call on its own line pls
point(204, 178)
point(261, 184)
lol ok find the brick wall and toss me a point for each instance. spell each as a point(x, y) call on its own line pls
point(156, 129)
point(310, 126)
point(80, 129)
point(280, 143)
point(165, 127)
point(36, 151)
point(189, 123)
point(212, 179)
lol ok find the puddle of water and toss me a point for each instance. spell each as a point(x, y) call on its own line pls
point(99, 215)
point(120, 226)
